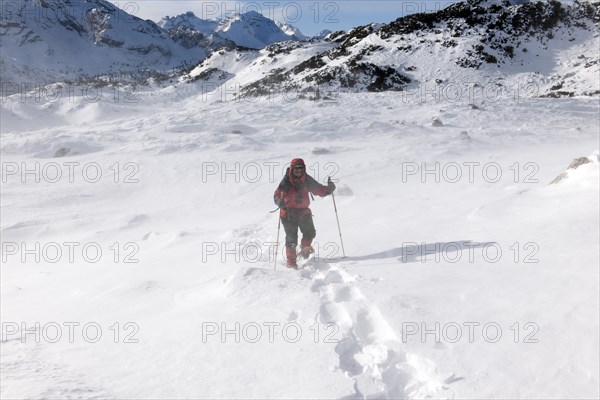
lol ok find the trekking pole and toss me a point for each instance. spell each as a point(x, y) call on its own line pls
point(277, 245)
point(278, 229)
point(338, 219)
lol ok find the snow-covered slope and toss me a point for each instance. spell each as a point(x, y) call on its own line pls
point(240, 67)
point(57, 40)
point(478, 285)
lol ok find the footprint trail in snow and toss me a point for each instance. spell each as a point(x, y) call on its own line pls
point(370, 352)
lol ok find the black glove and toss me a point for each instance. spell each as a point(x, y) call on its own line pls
point(330, 187)
point(281, 204)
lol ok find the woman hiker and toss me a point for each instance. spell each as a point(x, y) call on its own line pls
point(292, 198)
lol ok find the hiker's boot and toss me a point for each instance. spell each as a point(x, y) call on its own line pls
point(306, 247)
point(290, 253)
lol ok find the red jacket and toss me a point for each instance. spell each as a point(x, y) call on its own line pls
point(295, 190)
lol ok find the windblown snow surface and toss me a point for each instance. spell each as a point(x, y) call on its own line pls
point(467, 275)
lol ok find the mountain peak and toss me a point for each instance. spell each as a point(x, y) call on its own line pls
point(250, 29)
point(252, 14)
point(189, 20)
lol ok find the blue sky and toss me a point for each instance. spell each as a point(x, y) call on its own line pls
point(310, 16)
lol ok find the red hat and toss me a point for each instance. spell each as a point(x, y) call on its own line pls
point(297, 161)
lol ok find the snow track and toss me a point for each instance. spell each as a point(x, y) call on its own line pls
point(368, 349)
point(370, 352)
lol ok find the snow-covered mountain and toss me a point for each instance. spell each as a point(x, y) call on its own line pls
point(58, 40)
point(544, 48)
point(254, 30)
point(43, 42)
point(251, 29)
point(323, 34)
point(470, 48)
point(291, 30)
point(189, 20)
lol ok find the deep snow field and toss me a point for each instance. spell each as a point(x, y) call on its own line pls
point(480, 280)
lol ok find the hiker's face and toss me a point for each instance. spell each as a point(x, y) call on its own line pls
point(298, 171)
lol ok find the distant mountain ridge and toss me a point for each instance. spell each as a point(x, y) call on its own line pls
point(55, 40)
point(546, 44)
point(74, 40)
point(548, 47)
point(251, 29)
